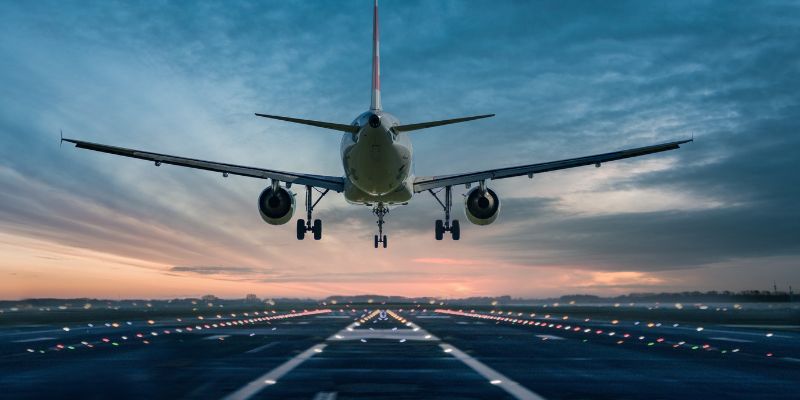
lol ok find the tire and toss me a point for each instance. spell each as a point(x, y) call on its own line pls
point(385, 243)
point(376, 241)
point(317, 229)
point(439, 230)
point(455, 230)
point(301, 229)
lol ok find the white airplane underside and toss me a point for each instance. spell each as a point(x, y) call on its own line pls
point(377, 158)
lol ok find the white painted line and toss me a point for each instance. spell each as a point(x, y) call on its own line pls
point(727, 339)
point(792, 359)
point(550, 337)
point(260, 348)
point(325, 396)
point(272, 377)
point(216, 337)
point(494, 377)
point(38, 339)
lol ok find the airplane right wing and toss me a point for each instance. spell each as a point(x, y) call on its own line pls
point(426, 183)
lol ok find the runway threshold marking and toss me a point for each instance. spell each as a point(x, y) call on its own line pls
point(272, 377)
point(494, 377)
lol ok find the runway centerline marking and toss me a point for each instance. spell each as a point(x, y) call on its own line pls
point(38, 339)
point(550, 337)
point(727, 339)
point(260, 348)
point(272, 377)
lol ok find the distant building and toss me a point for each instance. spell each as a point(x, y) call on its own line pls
point(251, 298)
point(209, 298)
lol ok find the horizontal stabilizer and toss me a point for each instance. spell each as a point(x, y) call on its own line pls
point(424, 125)
point(320, 124)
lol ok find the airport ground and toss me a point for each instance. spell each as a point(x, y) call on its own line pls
point(405, 351)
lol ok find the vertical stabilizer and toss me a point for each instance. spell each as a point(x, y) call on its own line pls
point(376, 63)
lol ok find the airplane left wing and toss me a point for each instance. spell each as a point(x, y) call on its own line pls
point(325, 182)
point(422, 184)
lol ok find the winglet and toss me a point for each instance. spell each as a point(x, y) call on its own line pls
point(61, 132)
point(376, 62)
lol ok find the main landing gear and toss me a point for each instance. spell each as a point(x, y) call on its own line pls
point(304, 226)
point(380, 211)
point(446, 226)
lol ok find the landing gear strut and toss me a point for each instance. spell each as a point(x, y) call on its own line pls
point(446, 226)
point(380, 211)
point(304, 226)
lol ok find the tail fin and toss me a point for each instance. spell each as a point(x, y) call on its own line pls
point(376, 63)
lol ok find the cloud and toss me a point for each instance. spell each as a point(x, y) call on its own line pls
point(564, 81)
point(445, 261)
point(214, 270)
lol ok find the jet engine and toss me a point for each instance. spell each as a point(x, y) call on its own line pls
point(481, 208)
point(276, 207)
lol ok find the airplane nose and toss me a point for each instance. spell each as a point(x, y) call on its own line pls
point(374, 121)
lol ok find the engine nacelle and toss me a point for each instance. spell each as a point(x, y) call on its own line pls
point(276, 208)
point(481, 208)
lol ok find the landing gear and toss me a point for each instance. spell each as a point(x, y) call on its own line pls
point(446, 226)
point(380, 211)
point(306, 225)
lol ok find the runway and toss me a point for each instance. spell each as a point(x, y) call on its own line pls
point(398, 351)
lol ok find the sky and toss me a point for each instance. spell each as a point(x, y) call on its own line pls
point(565, 79)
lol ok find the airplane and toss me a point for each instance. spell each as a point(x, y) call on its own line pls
point(377, 158)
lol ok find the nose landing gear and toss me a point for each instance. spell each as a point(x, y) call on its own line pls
point(380, 211)
point(446, 226)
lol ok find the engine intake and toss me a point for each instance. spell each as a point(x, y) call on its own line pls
point(276, 208)
point(481, 208)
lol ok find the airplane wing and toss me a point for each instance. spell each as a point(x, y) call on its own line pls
point(432, 182)
point(325, 182)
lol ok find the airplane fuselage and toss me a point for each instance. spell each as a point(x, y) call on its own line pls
point(377, 161)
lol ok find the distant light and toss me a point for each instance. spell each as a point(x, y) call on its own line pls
point(318, 350)
point(66, 329)
point(699, 328)
point(769, 335)
point(448, 350)
point(495, 381)
point(270, 382)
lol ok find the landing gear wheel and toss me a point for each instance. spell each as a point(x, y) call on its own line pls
point(376, 241)
point(317, 229)
point(439, 230)
point(455, 230)
point(385, 243)
point(301, 229)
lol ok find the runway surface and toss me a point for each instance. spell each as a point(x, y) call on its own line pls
point(390, 352)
